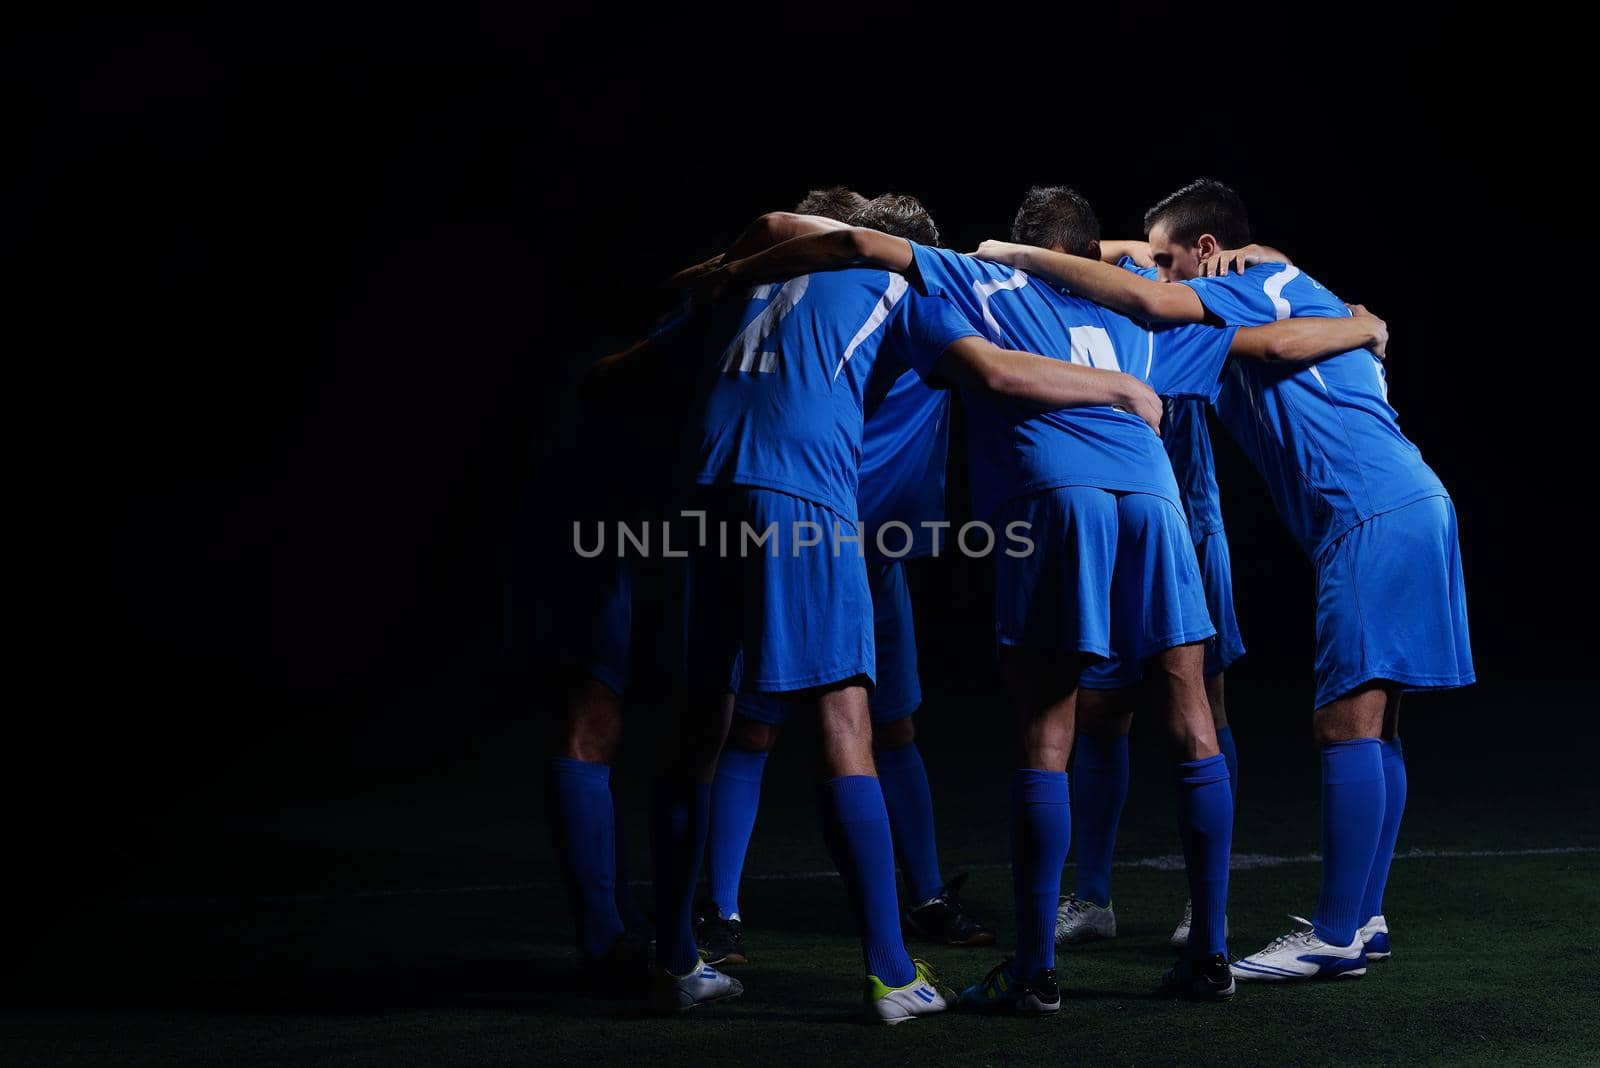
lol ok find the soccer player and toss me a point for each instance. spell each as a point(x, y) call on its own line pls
point(903, 455)
point(1107, 699)
point(597, 650)
point(1113, 569)
point(1374, 519)
point(775, 457)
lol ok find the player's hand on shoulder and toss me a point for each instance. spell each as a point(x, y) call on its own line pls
point(1006, 252)
point(1380, 329)
point(1234, 261)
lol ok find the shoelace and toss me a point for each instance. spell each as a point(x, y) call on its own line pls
point(1296, 935)
point(1076, 905)
point(989, 981)
point(926, 973)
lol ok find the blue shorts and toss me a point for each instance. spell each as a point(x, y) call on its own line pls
point(1216, 571)
point(899, 690)
point(779, 616)
point(1222, 648)
point(594, 634)
point(1391, 604)
point(1110, 574)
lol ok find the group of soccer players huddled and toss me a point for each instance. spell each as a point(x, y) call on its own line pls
point(808, 373)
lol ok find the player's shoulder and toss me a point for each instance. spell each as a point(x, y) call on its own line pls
point(949, 261)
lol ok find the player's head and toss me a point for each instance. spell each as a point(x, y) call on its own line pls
point(1059, 218)
point(900, 215)
point(1198, 220)
point(834, 202)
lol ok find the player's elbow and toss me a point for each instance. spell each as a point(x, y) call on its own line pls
point(774, 226)
point(998, 376)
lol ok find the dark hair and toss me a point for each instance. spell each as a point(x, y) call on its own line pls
point(1056, 216)
point(1205, 206)
point(900, 215)
point(834, 202)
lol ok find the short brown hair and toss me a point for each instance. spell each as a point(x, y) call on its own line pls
point(834, 202)
point(900, 215)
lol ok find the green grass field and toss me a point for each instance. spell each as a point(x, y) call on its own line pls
point(230, 955)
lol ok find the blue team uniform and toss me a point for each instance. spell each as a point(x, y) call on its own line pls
point(1113, 568)
point(1354, 492)
point(779, 442)
point(1188, 445)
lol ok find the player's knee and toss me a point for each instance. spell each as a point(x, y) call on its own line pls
point(895, 735)
point(593, 735)
point(752, 735)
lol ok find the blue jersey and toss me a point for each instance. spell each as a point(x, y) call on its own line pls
point(1322, 435)
point(1016, 452)
point(1188, 442)
point(903, 452)
point(785, 407)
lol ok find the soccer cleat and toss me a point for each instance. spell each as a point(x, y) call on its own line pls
point(1374, 935)
point(1002, 992)
point(1180, 934)
point(722, 939)
point(1209, 980)
point(923, 996)
point(1079, 921)
point(1300, 954)
point(702, 986)
point(945, 920)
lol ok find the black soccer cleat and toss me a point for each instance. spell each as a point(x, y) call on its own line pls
point(1003, 992)
point(721, 940)
point(1208, 980)
point(946, 921)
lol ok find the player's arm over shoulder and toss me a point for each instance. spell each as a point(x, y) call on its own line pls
point(1119, 290)
point(1041, 383)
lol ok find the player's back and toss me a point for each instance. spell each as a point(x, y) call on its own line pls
point(1322, 435)
point(783, 398)
point(1016, 451)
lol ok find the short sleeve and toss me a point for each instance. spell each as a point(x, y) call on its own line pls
point(1187, 361)
point(923, 328)
point(1236, 299)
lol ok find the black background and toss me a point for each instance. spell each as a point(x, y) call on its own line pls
point(307, 300)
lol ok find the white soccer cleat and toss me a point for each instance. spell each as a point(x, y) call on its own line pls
point(680, 993)
point(1180, 934)
point(1300, 954)
point(923, 996)
point(1079, 921)
point(1374, 935)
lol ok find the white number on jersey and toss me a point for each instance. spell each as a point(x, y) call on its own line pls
point(1091, 347)
point(745, 352)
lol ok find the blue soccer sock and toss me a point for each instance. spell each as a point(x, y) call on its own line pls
point(1231, 755)
point(904, 780)
point(1352, 821)
point(735, 796)
point(1205, 824)
point(856, 825)
point(1394, 806)
point(584, 827)
point(1041, 831)
point(1099, 790)
point(678, 820)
